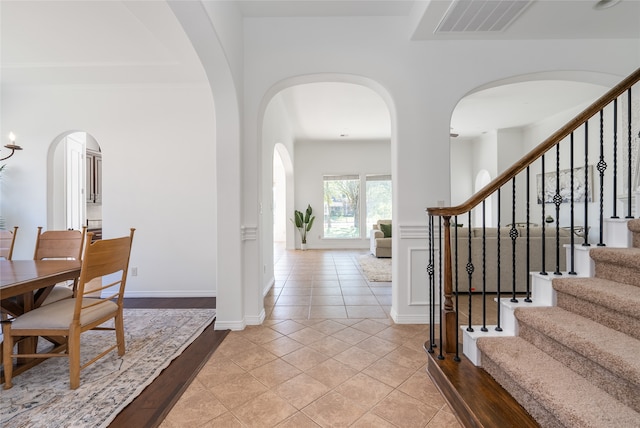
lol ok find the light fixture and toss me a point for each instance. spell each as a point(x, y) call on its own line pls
point(605, 4)
point(12, 146)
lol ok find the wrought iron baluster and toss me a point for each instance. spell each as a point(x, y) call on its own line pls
point(484, 267)
point(440, 298)
point(513, 234)
point(571, 205)
point(457, 356)
point(586, 184)
point(470, 270)
point(629, 166)
point(602, 166)
point(543, 243)
point(430, 273)
point(498, 328)
point(615, 159)
point(557, 200)
point(528, 296)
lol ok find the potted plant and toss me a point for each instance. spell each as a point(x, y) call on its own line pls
point(303, 222)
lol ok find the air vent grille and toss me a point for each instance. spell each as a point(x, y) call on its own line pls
point(481, 15)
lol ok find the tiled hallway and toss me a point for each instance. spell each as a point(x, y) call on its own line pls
point(327, 355)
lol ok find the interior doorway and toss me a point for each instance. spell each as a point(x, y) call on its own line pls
point(75, 183)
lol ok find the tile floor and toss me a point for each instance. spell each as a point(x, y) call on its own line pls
point(328, 355)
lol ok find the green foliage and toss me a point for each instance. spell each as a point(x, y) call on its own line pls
point(303, 222)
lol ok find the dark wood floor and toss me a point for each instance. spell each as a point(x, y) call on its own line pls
point(151, 407)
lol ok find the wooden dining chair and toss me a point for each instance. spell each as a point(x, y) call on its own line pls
point(59, 244)
point(71, 317)
point(7, 241)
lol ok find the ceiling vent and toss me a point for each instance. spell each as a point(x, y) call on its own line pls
point(464, 16)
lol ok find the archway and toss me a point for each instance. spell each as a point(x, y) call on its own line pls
point(284, 144)
point(74, 194)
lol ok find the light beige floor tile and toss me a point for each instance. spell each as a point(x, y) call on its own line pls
point(274, 373)
point(370, 326)
point(356, 358)
point(327, 300)
point(282, 346)
point(323, 312)
point(307, 335)
point(351, 335)
point(334, 410)
point(330, 346)
point(377, 346)
point(253, 358)
point(238, 390)
point(331, 373)
point(293, 300)
point(370, 420)
point(406, 357)
point(287, 326)
point(318, 365)
point(404, 411)
point(305, 358)
point(290, 312)
point(227, 420)
point(366, 312)
point(298, 420)
point(388, 372)
point(364, 390)
point(266, 410)
point(301, 390)
point(329, 326)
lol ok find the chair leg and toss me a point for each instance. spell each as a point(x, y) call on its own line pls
point(73, 347)
point(119, 324)
point(7, 350)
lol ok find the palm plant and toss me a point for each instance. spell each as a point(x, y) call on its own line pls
point(303, 222)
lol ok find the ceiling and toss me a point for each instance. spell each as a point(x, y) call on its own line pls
point(140, 42)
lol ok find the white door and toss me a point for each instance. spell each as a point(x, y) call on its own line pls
point(75, 180)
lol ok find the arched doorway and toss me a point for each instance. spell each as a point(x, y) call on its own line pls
point(75, 182)
point(278, 138)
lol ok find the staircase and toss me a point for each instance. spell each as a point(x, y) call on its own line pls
point(577, 364)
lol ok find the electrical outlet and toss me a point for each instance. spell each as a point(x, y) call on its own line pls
point(134, 271)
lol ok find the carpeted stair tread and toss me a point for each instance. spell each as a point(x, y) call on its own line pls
point(615, 351)
point(618, 264)
point(571, 398)
point(616, 296)
point(634, 227)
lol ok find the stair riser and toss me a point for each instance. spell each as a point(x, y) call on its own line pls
point(615, 385)
point(604, 316)
point(625, 274)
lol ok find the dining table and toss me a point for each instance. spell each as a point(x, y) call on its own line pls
point(24, 284)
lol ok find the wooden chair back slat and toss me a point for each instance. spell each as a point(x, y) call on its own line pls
point(7, 242)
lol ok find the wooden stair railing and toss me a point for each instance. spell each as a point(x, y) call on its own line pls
point(448, 319)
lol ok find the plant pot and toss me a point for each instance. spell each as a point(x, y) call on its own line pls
point(303, 247)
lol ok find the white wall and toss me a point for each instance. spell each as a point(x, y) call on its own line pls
point(159, 175)
point(314, 159)
point(421, 82)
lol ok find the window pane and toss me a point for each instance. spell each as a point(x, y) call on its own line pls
point(378, 200)
point(342, 206)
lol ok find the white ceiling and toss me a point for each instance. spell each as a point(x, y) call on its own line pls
point(140, 42)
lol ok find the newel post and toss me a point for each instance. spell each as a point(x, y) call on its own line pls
point(448, 313)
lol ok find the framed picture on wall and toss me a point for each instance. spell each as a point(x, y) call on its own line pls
point(582, 189)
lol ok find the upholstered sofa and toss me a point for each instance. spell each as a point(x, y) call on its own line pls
point(506, 260)
point(380, 245)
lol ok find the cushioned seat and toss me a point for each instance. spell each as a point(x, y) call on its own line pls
point(381, 239)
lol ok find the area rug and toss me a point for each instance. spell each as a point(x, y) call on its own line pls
point(41, 397)
point(375, 269)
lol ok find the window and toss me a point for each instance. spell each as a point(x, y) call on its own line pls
point(378, 199)
point(341, 206)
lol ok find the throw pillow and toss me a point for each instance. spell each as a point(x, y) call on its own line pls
point(386, 229)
